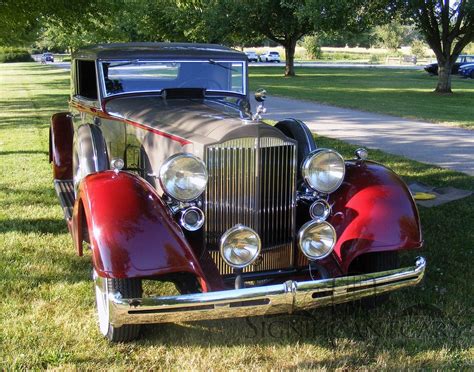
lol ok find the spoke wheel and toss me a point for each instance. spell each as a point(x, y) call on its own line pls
point(129, 288)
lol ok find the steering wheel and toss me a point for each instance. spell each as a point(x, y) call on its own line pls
point(210, 84)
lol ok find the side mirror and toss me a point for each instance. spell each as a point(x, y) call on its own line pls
point(260, 95)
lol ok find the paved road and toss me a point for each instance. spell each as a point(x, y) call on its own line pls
point(444, 146)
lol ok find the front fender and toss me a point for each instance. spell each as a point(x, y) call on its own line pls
point(130, 229)
point(373, 211)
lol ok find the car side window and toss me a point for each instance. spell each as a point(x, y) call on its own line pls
point(86, 79)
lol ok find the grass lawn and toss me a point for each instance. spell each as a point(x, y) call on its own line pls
point(403, 93)
point(47, 316)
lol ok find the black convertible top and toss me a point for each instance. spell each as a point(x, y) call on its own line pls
point(157, 50)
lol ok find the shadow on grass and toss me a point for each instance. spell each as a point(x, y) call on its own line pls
point(400, 328)
point(24, 152)
point(35, 225)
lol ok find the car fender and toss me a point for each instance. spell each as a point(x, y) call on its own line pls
point(131, 232)
point(373, 211)
point(60, 145)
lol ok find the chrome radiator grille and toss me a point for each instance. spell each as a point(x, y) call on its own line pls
point(252, 182)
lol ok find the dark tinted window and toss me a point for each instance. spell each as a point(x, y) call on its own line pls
point(86, 79)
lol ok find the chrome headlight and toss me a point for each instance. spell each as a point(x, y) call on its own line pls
point(323, 170)
point(240, 246)
point(183, 177)
point(317, 239)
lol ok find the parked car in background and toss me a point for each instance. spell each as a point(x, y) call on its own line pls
point(270, 57)
point(467, 70)
point(432, 68)
point(47, 57)
point(165, 175)
point(252, 56)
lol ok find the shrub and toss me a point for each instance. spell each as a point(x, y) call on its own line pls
point(469, 49)
point(374, 59)
point(8, 55)
point(313, 47)
point(418, 49)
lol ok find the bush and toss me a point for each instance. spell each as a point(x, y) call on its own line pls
point(312, 46)
point(374, 59)
point(469, 49)
point(418, 49)
point(8, 55)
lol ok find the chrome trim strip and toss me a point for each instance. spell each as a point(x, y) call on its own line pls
point(272, 299)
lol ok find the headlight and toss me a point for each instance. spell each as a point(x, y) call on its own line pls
point(323, 170)
point(183, 177)
point(240, 246)
point(317, 239)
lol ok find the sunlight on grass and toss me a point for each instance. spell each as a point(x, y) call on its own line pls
point(395, 92)
point(48, 316)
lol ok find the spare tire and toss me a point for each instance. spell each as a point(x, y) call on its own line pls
point(300, 132)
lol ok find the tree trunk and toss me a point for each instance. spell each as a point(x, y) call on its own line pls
point(290, 58)
point(444, 78)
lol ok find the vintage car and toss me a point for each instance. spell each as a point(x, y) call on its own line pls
point(165, 175)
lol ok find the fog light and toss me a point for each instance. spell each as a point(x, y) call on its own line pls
point(317, 239)
point(320, 210)
point(192, 218)
point(240, 246)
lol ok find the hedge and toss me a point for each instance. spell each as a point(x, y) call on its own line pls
point(14, 55)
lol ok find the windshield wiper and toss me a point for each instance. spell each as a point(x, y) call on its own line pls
point(212, 62)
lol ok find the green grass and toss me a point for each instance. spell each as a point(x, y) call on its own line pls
point(402, 93)
point(47, 316)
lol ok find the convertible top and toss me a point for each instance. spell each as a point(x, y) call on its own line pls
point(157, 50)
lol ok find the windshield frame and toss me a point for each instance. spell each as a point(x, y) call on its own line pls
point(213, 92)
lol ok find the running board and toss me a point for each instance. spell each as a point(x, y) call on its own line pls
point(65, 191)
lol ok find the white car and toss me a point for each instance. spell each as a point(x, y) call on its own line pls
point(251, 56)
point(270, 57)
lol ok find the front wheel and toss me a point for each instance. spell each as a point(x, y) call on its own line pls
point(472, 74)
point(129, 288)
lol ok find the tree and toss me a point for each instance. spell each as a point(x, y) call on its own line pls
point(22, 20)
point(447, 26)
point(391, 35)
point(282, 21)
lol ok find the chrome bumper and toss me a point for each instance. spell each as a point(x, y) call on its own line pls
point(272, 299)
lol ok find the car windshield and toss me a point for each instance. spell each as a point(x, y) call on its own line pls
point(145, 76)
point(464, 59)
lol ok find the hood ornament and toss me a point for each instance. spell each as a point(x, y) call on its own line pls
point(260, 96)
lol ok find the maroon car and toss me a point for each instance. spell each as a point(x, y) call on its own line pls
point(165, 175)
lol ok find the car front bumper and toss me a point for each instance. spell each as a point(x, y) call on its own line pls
point(273, 299)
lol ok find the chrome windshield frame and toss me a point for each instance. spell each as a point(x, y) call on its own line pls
point(103, 91)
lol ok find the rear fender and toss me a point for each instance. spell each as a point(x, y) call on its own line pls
point(131, 231)
point(60, 145)
point(373, 211)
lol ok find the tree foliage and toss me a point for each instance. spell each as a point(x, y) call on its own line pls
point(394, 34)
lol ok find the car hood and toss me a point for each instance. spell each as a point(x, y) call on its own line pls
point(199, 121)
